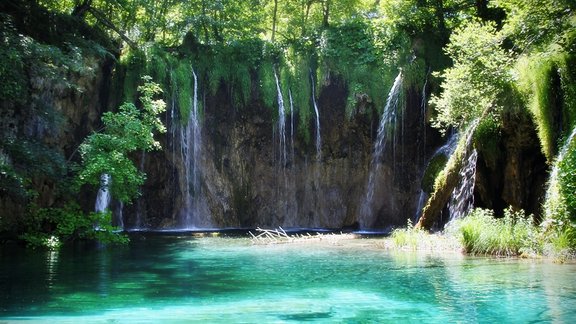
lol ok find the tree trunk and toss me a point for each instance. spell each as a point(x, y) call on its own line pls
point(326, 13)
point(274, 17)
point(81, 9)
point(103, 20)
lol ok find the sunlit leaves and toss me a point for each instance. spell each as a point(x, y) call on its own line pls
point(126, 131)
point(475, 84)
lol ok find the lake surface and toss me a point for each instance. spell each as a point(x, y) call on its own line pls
point(171, 278)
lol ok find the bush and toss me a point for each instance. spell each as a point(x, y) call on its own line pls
point(50, 227)
point(482, 233)
point(411, 238)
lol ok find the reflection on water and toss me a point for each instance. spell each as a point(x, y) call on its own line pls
point(159, 278)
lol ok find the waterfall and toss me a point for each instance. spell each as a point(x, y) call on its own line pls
point(281, 122)
point(190, 151)
point(422, 147)
point(318, 138)
point(291, 125)
point(422, 197)
point(103, 197)
point(462, 198)
point(388, 117)
point(119, 216)
point(553, 200)
point(447, 149)
point(139, 223)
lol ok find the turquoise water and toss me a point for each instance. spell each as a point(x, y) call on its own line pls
point(216, 280)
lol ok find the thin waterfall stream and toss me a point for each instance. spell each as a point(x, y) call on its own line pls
point(316, 111)
point(103, 197)
point(388, 117)
point(462, 198)
point(191, 148)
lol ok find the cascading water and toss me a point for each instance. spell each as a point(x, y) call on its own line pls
point(281, 122)
point(291, 125)
point(422, 196)
point(318, 138)
point(447, 149)
point(139, 223)
point(462, 198)
point(190, 151)
point(553, 199)
point(103, 197)
point(388, 117)
point(282, 187)
point(119, 216)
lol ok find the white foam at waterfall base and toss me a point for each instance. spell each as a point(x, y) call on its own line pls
point(388, 117)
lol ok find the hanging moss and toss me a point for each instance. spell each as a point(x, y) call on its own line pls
point(546, 83)
point(415, 74)
point(183, 82)
point(134, 62)
point(158, 65)
point(436, 165)
point(567, 180)
point(487, 140)
point(350, 50)
point(296, 77)
point(267, 84)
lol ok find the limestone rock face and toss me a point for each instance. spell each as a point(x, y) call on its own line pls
point(47, 125)
point(246, 182)
point(517, 175)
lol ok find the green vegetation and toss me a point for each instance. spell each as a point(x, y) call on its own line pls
point(548, 81)
point(474, 87)
point(490, 60)
point(128, 130)
point(416, 239)
point(435, 166)
point(482, 233)
point(51, 227)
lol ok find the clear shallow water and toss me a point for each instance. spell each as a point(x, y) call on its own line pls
point(183, 279)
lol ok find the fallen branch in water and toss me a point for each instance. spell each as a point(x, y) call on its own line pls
point(279, 236)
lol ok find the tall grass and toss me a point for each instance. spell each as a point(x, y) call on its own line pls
point(512, 235)
point(411, 238)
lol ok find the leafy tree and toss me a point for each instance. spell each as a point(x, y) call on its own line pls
point(534, 24)
point(126, 131)
point(475, 85)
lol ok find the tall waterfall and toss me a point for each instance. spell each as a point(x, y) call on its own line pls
point(190, 150)
point(291, 126)
point(318, 138)
point(281, 121)
point(388, 117)
point(139, 224)
point(103, 197)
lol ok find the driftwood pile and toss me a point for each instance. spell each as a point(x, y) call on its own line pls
point(279, 236)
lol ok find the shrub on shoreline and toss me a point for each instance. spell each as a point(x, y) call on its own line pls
point(513, 235)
